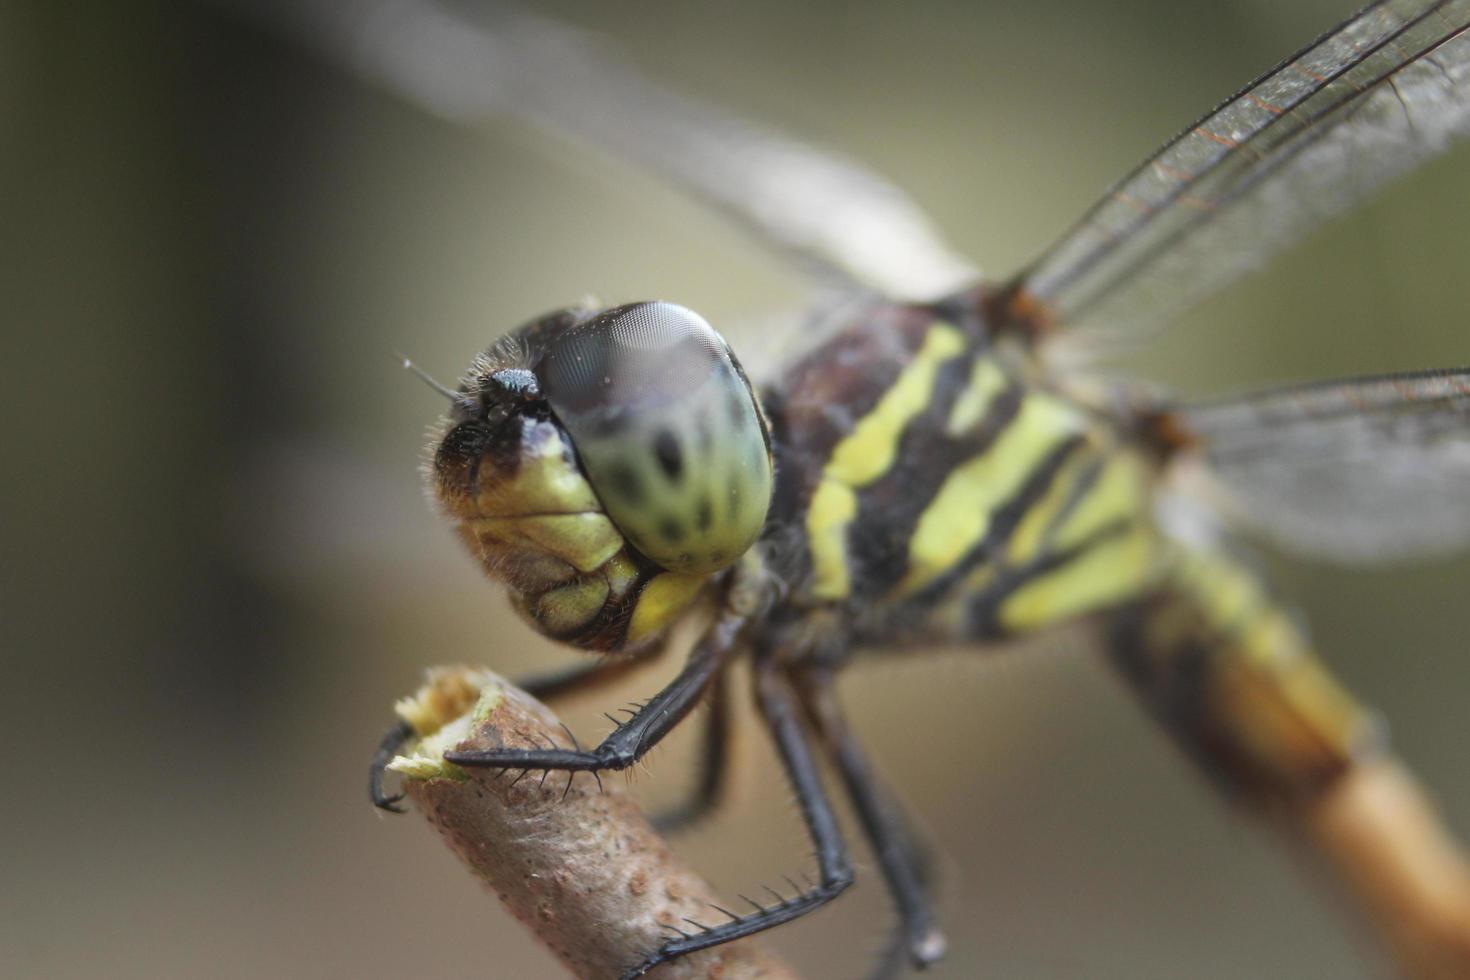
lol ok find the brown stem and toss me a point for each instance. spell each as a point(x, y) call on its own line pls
point(1382, 837)
point(576, 862)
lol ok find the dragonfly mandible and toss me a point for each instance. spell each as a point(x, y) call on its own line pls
point(932, 467)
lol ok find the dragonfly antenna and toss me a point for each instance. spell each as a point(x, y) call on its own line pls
point(428, 379)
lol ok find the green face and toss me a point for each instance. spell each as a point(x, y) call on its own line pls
point(667, 429)
point(603, 465)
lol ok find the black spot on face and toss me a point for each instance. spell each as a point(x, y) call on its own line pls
point(706, 516)
point(624, 482)
point(462, 444)
point(670, 456)
point(671, 530)
point(506, 443)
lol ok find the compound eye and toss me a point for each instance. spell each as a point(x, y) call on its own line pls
point(667, 429)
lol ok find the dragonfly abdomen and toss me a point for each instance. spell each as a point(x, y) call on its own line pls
point(1231, 674)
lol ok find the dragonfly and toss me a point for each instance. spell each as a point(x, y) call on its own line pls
point(937, 465)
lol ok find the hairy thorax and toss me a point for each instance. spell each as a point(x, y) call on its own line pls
point(931, 482)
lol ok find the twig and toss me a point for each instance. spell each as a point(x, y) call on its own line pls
point(1384, 841)
point(572, 859)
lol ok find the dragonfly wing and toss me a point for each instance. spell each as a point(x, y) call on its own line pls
point(1366, 102)
point(840, 219)
point(1374, 469)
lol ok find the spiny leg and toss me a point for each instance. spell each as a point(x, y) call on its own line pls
point(543, 687)
point(393, 740)
point(779, 708)
point(899, 855)
point(633, 738)
point(713, 764)
point(894, 957)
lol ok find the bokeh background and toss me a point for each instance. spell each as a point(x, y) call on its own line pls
point(219, 569)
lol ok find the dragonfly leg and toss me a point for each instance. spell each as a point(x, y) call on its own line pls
point(904, 864)
point(779, 708)
point(393, 740)
point(633, 738)
point(713, 762)
point(590, 676)
point(542, 687)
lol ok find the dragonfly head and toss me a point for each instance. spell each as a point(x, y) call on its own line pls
point(604, 463)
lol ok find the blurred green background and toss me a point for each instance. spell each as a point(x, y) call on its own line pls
point(220, 570)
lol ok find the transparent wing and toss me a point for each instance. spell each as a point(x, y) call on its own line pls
point(839, 218)
point(1373, 469)
point(1364, 103)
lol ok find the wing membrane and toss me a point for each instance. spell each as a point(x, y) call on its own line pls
point(1364, 103)
point(843, 220)
point(1375, 469)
